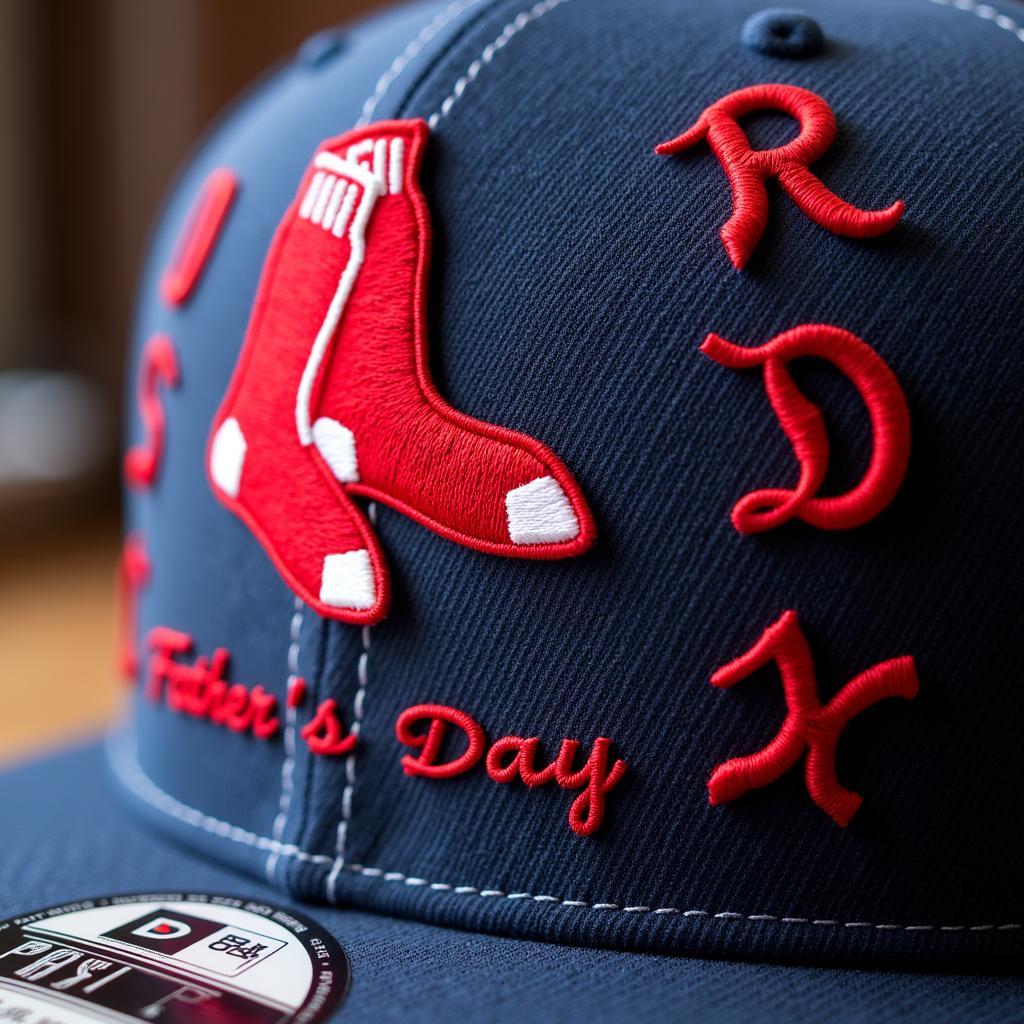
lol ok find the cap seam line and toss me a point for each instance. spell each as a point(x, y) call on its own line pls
point(358, 702)
point(126, 767)
point(316, 690)
point(398, 65)
point(987, 13)
point(512, 29)
point(409, 54)
point(291, 724)
point(383, 85)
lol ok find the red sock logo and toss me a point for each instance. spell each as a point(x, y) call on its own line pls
point(332, 396)
point(748, 168)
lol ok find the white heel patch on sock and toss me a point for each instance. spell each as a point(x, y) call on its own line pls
point(347, 581)
point(337, 445)
point(227, 457)
point(540, 513)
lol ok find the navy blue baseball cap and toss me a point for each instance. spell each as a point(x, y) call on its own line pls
point(574, 532)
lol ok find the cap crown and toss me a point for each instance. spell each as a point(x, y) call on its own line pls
point(575, 276)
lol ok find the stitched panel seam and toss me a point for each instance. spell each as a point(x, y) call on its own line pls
point(512, 29)
point(358, 703)
point(415, 47)
point(291, 720)
point(986, 12)
point(398, 65)
point(126, 767)
point(538, 10)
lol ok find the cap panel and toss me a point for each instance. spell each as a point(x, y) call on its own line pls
point(575, 314)
point(209, 576)
point(627, 275)
point(408, 971)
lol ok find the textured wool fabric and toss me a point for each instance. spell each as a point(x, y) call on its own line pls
point(575, 274)
point(408, 972)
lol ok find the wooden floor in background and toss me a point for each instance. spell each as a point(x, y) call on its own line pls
point(57, 679)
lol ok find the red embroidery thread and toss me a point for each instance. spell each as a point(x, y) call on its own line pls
point(587, 810)
point(594, 778)
point(199, 689)
point(353, 410)
point(521, 765)
point(159, 366)
point(296, 692)
point(803, 424)
point(324, 733)
point(807, 726)
point(748, 168)
point(439, 716)
point(203, 226)
point(133, 573)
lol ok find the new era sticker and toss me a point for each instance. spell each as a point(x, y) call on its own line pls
point(176, 958)
point(221, 948)
point(164, 930)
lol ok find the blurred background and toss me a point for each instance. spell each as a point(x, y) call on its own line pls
point(100, 102)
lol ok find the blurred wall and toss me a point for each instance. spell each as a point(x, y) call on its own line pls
point(21, 250)
point(103, 99)
point(100, 101)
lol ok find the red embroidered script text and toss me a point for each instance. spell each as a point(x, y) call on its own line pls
point(159, 367)
point(425, 726)
point(748, 168)
point(325, 735)
point(803, 424)
point(198, 689)
point(807, 726)
point(133, 574)
point(199, 236)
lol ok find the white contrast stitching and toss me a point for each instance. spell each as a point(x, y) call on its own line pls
point(128, 770)
point(988, 13)
point(126, 767)
point(291, 716)
point(358, 704)
point(512, 29)
point(398, 65)
point(125, 764)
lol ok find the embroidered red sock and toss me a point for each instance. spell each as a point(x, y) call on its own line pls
point(332, 396)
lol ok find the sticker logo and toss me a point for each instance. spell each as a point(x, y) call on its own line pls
point(332, 396)
point(165, 933)
point(186, 958)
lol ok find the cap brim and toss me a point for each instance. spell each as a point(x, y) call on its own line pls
point(65, 834)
